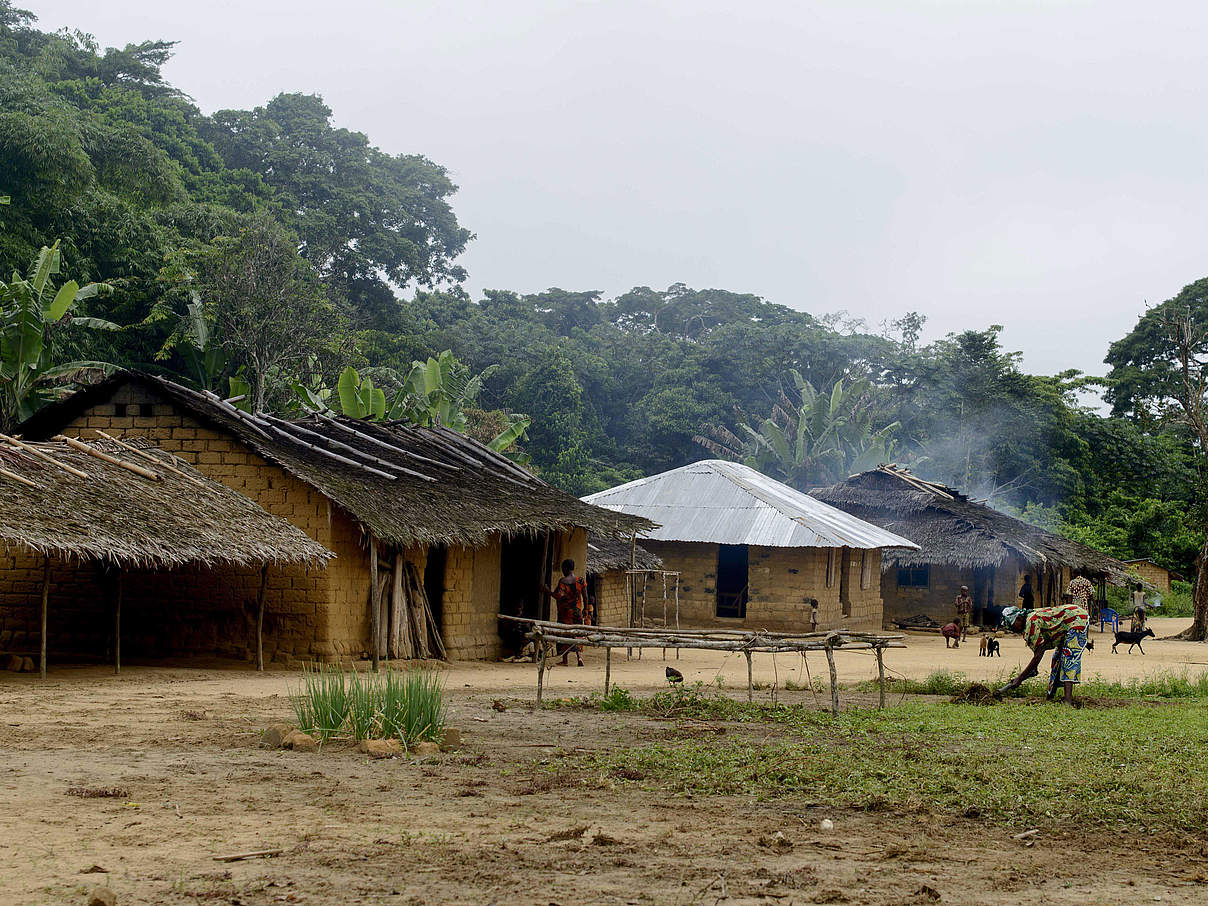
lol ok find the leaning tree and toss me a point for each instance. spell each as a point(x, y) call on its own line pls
point(1159, 376)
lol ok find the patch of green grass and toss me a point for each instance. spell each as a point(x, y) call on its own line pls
point(1172, 684)
point(408, 704)
point(321, 704)
point(1041, 764)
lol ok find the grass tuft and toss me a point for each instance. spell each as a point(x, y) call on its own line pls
point(407, 704)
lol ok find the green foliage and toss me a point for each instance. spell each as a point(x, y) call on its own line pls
point(406, 704)
point(31, 309)
point(359, 398)
point(812, 439)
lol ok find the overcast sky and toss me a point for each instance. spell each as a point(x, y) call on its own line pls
point(1036, 164)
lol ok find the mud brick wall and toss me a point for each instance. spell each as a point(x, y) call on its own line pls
point(1154, 574)
point(78, 621)
point(936, 600)
point(780, 581)
point(469, 615)
point(612, 598)
point(298, 600)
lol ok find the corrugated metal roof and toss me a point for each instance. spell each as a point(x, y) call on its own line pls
point(728, 503)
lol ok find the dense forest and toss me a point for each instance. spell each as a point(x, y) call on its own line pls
point(268, 248)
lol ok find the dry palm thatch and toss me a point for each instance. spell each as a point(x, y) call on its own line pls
point(130, 504)
point(405, 485)
point(605, 554)
point(952, 530)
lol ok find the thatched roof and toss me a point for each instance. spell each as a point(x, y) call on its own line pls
point(169, 515)
point(606, 554)
point(952, 530)
point(405, 484)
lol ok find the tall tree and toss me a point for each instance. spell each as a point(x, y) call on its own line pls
point(1160, 372)
point(267, 305)
point(368, 220)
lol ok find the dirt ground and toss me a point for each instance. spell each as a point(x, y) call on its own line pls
point(508, 819)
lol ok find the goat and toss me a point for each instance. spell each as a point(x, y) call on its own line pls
point(1130, 639)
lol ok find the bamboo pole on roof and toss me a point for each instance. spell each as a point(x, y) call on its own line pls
point(145, 455)
point(105, 457)
point(44, 456)
point(20, 479)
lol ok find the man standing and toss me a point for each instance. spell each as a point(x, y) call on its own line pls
point(1062, 628)
point(964, 611)
point(1026, 595)
point(1080, 591)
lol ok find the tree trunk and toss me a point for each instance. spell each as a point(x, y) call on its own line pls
point(1198, 630)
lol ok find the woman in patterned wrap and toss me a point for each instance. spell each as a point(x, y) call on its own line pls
point(574, 607)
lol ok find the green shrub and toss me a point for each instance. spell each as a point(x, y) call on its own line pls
point(618, 700)
point(405, 703)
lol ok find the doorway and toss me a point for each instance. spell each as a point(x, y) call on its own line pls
point(434, 581)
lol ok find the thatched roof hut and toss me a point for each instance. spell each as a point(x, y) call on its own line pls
point(609, 554)
point(953, 530)
point(405, 485)
point(137, 507)
point(128, 506)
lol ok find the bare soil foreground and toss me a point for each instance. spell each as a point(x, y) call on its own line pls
point(569, 804)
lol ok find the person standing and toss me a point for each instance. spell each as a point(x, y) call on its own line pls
point(1081, 591)
point(964, 611)
point(1062, 629)
point(570, 595)
point(813, 602)
point(1027, 595)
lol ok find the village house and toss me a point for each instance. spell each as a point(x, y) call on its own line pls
point(108, 547)
point(611, 564)
point(962, 542)
point(752, 552)
point(1157, 576)
point(434, 533)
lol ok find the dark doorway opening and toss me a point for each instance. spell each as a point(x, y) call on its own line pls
point(523, 568)
point(434, 581)
point(733, 580)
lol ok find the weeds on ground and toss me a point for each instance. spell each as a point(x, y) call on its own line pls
point(407, 704)
point(1170, 684)
point(1137, 767)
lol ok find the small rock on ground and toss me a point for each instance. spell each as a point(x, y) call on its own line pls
point(301, 742)
point(381, 748)
point(28, 665)
point(101, 896)
point(13, 663)
point(273, 736)
point(425, 748)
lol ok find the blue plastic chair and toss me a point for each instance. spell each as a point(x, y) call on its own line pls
point(1107, 615)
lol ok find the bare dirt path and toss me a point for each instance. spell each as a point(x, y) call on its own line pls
point(512, 818)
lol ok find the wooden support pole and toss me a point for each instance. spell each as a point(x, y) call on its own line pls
point(117, 625)
point(540, 670)
point(375, 605)
point(750, 678)
point(607, 669)
point(260, 618)
point(881, 672)
point(45, 603)
point(834, 679)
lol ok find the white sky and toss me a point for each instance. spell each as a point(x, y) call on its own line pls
point(1035, 163)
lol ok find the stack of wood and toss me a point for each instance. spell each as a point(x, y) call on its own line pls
point(411, 628)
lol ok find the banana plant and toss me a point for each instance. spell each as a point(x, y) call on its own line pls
point(814, 439)
point(30, 310)
point(359, 398)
